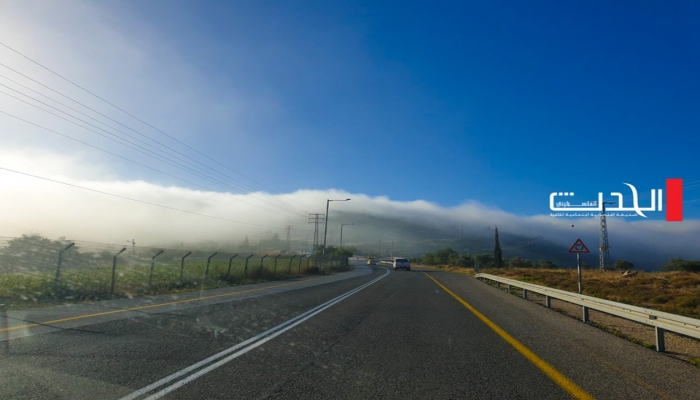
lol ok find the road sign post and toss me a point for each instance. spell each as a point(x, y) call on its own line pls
point(578, 247)
point(578, 268)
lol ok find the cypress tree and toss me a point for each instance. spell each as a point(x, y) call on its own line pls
point(497, 253)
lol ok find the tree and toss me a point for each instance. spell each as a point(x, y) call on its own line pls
point(465, 261)
point(445, 256)
point(484, 260)
point(679, 264)
point(622, 265)
point(497, 253)
point(517, 262)
point(39, 254)
point(332, 251)
point(246, 243)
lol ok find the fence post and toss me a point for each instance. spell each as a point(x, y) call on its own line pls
point(230, 260)
point(299, 267)
point(4, 344)
point(290, 264)
point(245, 270)
point(182, 265)
point(206, 271)
point(60, 261)
point(114, 269)
point(153, 263)
point(261, 264)
point(275, 270)
point(660, 341)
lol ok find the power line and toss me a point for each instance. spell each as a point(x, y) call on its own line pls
point(137, 200)
point(138, 163)
point(202, 174)
point(133, 116)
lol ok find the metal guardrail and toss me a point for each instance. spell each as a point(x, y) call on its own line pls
point(661, 321)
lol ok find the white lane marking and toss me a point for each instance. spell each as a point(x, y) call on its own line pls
point(252, 343)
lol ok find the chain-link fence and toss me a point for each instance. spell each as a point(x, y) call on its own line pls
point(36, 270)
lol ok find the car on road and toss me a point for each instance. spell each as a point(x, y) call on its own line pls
point(401, 263)
point(371, 261)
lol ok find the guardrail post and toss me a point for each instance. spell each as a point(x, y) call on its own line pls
point(206, 271)
point(661, 321)
point(509, 288)
point(153, 263)
point(274, 272)
point(290, 264)
point(114, 269)
point(230, 260)
point(245, 270)
point(60, 261)
point(660, 340)
point(182, 265)
point(261, 264)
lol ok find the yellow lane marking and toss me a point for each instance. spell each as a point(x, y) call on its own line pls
point(56, 321)
point(560, 379)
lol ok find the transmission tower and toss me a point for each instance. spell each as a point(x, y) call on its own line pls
point(289, 234)
point(316, 219)
point(604, 246)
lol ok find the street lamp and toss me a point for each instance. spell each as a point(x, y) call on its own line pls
point(341, 233)
point(325, 229)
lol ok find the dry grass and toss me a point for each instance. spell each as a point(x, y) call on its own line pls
point(673, 292)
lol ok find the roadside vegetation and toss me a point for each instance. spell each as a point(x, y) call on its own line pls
point(674, 289)
point(29, 266)
point(676, 292)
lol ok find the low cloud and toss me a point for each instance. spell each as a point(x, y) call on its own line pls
point(31, 205)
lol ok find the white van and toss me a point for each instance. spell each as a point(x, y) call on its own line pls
point(401, 263)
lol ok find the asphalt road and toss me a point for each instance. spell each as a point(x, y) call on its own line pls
point(366, 334)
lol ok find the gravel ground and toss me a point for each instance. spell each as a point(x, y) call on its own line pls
point(678, 346)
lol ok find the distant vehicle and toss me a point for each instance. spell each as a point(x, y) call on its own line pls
point(371, 261)
point(402, 263)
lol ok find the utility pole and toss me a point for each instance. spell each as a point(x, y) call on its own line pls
point(604, 246)
point(133, 246)
point(316, 219)
point(289, 233)
point(325, 229)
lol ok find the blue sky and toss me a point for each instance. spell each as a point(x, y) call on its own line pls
point(449, 101)
point(501, 102)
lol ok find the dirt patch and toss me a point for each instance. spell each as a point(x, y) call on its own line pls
point(678, 346)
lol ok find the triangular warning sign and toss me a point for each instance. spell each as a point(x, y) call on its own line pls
point(579, 247)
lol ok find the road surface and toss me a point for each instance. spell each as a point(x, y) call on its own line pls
point(370, 333)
